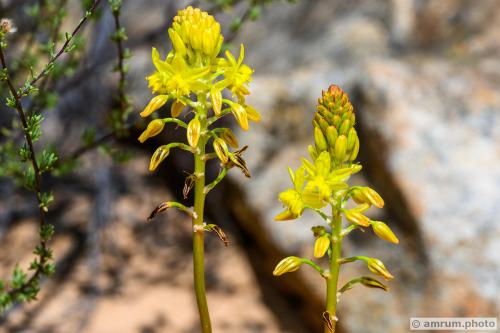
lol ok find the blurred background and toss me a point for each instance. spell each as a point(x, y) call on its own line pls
point(424, 77)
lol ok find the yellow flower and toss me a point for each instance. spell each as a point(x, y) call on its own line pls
point(175, 77)
point(322, 179)
point(298, 198)
point(236, 74)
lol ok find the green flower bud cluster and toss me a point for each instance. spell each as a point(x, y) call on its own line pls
point(334, 130)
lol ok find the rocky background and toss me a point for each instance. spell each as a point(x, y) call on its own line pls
point(424, 77)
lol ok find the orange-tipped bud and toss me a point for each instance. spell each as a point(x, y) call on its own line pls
point(154, 128)
point(153, 105)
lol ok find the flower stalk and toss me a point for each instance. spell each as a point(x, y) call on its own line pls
point(193, 77)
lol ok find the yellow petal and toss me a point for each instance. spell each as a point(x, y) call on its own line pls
point(241, 115)
point(193, 132)
point(154, 104)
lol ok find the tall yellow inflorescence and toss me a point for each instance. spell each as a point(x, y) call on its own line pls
point(194, 75)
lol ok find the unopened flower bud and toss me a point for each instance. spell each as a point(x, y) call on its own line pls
point(153, 105)
point(344, 127)
point(216, 98)
point(287, 265)
point(154, 128)
point(383, 231)
point(221, 150)
point(241, 115)
point(355, 150)
point(351, 139)
point(193, 132)
point(376, 266)
point(321, 245)
point(159, 155)
point(319, 140)
point(356, 217)
point(331, 135)
point(177, 108)
point(366, 195)
point(340, 148)
point(374, 198)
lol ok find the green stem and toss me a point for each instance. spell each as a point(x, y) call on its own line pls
point(198, 231)
point(335, 255)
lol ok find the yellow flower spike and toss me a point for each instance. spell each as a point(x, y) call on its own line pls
point(357, 217)
point(221, 150)
point(159, 155)
point(376, 266)
point(383, 231)
point(253, 115)
point(228, 136)
point(241, 115)
point(216, 98)
point(319, 140)
point(177, 108)
point(287, 265)
point(340, 148)
point(153, 105)
point(154, 128)
point(321, 245)
point(193, 132)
